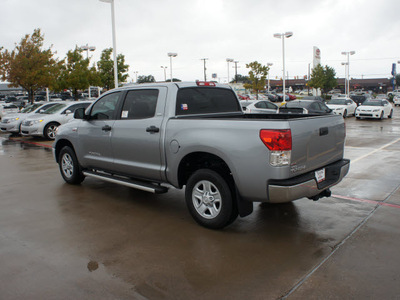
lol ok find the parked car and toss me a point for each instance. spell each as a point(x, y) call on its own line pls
point(259, 107)
point(304, 92)
point(342, 106)
point(243, 97)
point(308, 106)
point(12, 122)
point(394, 93)
point(292, 97)
point(272, 97)
point(377, 109)
point(381, 97)
point(360, 99)
point(46, 123)
point(396, 100)
point(334, 91)
point(195, 135)
point(7, 109)
point(319, 98)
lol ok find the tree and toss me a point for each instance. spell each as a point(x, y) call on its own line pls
point(106, 69)
point(144, 79)
point(323, 78)
point(257, 75)
point(29, 65)
point(76, 74)
point(241, 78)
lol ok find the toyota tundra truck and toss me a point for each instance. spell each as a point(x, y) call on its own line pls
point(154, 137)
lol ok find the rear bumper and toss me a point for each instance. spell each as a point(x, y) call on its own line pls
point(281, 191)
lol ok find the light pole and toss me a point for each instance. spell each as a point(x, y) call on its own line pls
point(345, 64)
point(269, 65)
point(283, 36)
point(165, 72)
point(136, 72)
point(228, 60)
point(88, 48)
point(114, 41)
point(348, 53)
point(171, 55)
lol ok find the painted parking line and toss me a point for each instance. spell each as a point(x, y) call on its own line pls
point(374, 151)
point(366, 201)
point(34, 143)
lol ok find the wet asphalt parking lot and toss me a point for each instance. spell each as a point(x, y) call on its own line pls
point(105, 241)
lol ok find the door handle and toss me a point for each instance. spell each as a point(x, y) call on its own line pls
point(323, 131)
point(152, 129)
point(106, 128)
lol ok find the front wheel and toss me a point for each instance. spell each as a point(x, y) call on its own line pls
point(50, 131)
point(381, 117)
point(210, 200)
point(345, 113)
point(391, 114)
point(69, 166)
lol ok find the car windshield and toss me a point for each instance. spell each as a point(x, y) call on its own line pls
point(372, 103)
point(54, 109)
point(30, 108)
point(338, 101)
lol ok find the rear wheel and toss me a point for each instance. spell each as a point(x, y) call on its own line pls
point(210, 200)
point(69, 166)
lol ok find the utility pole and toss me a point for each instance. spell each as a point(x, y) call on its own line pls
point(236, 62)
point(205, 76)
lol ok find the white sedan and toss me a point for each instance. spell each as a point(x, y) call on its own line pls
point(396, 100)
point(342, 106)
point(46, 123)
point(375, 108)
point(259, 107)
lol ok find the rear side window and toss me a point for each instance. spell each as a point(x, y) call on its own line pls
point(203, 100)
point(140, 104)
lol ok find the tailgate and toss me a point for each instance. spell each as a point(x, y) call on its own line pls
point(316, 142)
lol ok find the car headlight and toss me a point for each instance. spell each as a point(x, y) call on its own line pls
point(376, 110)
point(37, 121)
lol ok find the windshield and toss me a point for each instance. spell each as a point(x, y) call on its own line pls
point(297, 104)
point(30, 108)
point(338, 101)
point(54, 109)
point(372, 103)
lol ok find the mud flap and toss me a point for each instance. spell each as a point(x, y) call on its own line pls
point(245, 208)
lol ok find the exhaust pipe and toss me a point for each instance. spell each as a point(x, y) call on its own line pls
point(324, 193)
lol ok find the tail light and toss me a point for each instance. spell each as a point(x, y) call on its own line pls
point(279, 142)
point(205, 83)
point(277, 139)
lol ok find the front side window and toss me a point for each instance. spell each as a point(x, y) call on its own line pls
point(104, 108)
point(140, 104)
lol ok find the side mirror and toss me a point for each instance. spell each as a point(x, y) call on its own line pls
point(41, 111)
point(67, 112)
point(80, 114)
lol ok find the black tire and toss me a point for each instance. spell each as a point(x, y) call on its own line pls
point(358, 118)
point(49, 131)
point(69, 166)
point(345, 113)
point(391, 114)
point(210, 199)
point(381, 117)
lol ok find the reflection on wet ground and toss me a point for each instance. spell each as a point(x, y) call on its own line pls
point(108, 241)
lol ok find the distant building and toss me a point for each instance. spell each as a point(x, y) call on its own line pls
point(377, 85)
point(5, 89)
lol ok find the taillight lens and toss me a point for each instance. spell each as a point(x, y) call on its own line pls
point(277, 139)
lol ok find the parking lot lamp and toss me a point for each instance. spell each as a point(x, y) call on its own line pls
point(114, 41)
point(282, 36)
point(171, 55)
point(228, 60)
point(269, 64)
point(348, 53)
point(87, 48)
point(165, 72)
point(345, 77)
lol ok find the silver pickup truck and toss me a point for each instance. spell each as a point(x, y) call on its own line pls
point(158, 136)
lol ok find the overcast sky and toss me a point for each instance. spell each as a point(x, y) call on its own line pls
point(216, 29)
